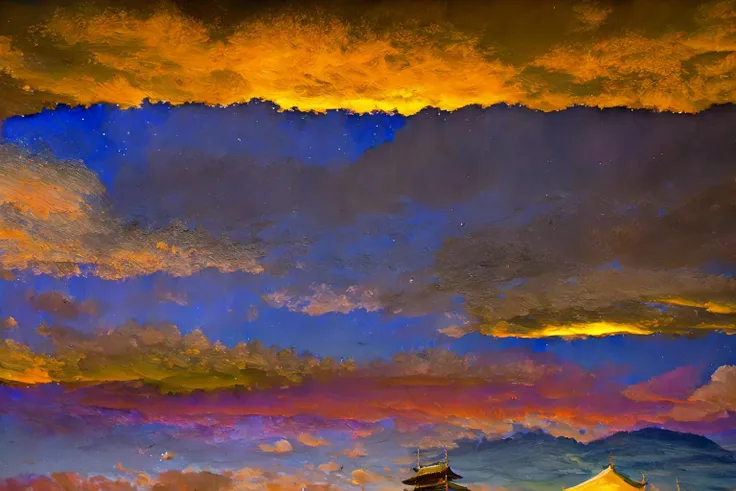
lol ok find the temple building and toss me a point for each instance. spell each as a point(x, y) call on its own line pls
point(609, 480)
point(434, 476)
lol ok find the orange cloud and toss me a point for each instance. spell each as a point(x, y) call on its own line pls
point(244, 479)
point(361, 477)
point(168, 456)
point(357, 451)
point(329, 467)
point(66, 480)
point(40, 190)
point(312, 66)
point(52, 221)
point(311, 440)
point(281, 446)
point(314, 61)
point(175, 480)
point(192, 481)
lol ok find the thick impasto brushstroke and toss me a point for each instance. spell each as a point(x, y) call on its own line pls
point(547, 55)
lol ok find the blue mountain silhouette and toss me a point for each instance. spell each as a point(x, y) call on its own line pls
point(537, 461)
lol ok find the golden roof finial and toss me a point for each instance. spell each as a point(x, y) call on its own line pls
point(678, 484)
point(447, 459)
point(610, 460)
point(418, 464)
point(643, 478)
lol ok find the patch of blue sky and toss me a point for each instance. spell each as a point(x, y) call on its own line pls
point(641, 356)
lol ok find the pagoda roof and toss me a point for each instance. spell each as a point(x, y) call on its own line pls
point(429, 471)
point(457, 487)
point(609, 479)
point(442, 486)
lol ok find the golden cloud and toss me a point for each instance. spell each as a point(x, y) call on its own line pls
point(712, 307)
point(503, 329)
point(583, 54)
point(640, 320)
point(53, 221)
point(158, 355)
point(18, 364)
point(599, 302)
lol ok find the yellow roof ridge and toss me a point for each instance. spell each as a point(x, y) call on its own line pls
point(610, 470)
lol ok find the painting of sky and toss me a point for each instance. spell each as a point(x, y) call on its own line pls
point(273, 245)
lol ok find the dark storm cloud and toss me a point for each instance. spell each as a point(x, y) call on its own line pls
point(542, 218)
point(617, 161)
point(625, 251)
point(699, 230)
point(435, 161)
point(570, 218)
